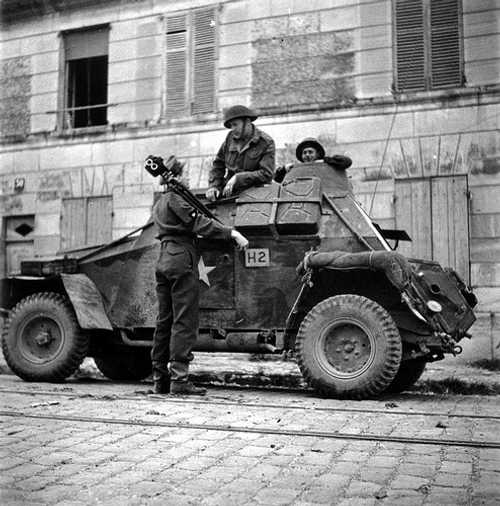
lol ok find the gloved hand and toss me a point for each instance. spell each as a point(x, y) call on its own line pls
point(212, 194)
point(241, 240)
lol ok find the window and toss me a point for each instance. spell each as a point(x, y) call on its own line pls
point(190, 63)
point(86, 221)
point(428, 47)
point(86, 78)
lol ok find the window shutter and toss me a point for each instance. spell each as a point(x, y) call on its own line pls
point(204, 61)
point(445, 44)
point(176, 65)
point(410, 45)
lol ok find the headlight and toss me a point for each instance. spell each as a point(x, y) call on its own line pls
point(434, 306)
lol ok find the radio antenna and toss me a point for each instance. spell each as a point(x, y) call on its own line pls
point(383, 156)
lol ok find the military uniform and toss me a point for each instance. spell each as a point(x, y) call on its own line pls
point(253, 164)
point(177, 284)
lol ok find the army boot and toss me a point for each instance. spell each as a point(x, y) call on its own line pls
point(179, 384)
point(186, 388)
point(161, 382)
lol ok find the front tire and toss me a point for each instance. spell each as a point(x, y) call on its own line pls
point(348, 346)
point(41, 340)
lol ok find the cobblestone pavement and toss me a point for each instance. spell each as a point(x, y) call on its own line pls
point(127, 451)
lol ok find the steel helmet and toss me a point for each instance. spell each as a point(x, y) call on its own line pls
point(238, 111)
point(309, 142)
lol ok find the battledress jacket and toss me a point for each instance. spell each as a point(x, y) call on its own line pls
point(253, 165)
point(177, 219)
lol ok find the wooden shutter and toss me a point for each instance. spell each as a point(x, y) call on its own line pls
point(446, 55)
point(413, 213)
point(410, 45)
point(434, 212)
point(99, 220)
point(86, 221)
point(73, 222)
point(203, 61)
point(450, 224)
point(176, 56)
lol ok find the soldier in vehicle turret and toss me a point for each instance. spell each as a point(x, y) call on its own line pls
point(308, 151)
point(245, 159)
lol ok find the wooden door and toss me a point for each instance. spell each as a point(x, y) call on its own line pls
point(434, 211)
point(18, 240)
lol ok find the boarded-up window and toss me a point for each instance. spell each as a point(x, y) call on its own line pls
point(86, 221)
point(190, 63)
point(428, 46)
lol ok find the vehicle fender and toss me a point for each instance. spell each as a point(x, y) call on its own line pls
point(87, 301)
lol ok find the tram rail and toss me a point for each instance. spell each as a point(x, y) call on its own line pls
point(256, 430)
point(143, 397)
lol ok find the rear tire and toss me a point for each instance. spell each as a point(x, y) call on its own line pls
point(409, 372)
point(133, 365)
point(348, 346)
point(41, 340)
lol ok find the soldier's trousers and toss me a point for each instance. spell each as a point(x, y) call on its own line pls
point(177, 289)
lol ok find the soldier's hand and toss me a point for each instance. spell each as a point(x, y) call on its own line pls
point(212, 194)
point(228, 189)
point(241, 240)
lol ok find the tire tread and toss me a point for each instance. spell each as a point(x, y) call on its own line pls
point(392, 358)
point(80, 339)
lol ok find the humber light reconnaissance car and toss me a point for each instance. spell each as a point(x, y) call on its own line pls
point(319, 278)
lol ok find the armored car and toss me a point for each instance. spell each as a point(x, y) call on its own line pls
point(319, 279)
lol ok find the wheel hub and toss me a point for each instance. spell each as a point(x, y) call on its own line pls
point(41, 339)
point(347, 348)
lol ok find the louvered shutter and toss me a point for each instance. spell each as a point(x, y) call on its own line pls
point(410, 45)
point(445, 44)
point(203, 61)
point(176, 65)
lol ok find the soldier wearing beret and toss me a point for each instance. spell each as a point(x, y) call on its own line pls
point(310, 150)
point(177, 285)
point(246, 157)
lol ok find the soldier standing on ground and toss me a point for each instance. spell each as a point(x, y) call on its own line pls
point(246, 157)
point(310, 150)
point(177, 286)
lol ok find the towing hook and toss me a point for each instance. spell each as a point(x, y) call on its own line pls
point(457, 349)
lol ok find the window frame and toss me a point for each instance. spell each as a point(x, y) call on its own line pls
point(63, 126)
point(427, 40)
point(189, 81)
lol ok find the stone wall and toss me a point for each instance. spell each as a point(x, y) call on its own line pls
point(15, 92)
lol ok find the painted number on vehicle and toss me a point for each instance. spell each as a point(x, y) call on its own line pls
point(257, 257)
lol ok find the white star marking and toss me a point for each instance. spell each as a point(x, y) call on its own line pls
point(204, 270)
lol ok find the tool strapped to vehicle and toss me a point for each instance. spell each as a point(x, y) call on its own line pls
point(169, 170)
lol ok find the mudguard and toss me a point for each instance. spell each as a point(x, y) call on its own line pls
point(87, 301)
